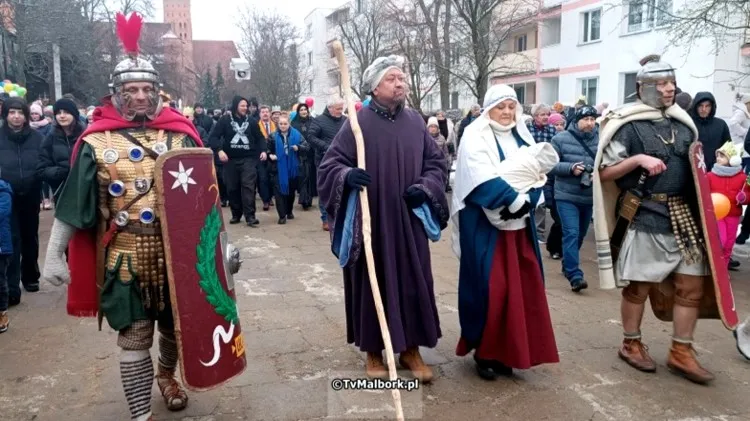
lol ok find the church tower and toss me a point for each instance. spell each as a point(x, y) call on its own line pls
point(179, 50)
point(177, 15)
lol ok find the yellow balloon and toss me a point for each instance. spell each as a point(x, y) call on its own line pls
point(9, 87)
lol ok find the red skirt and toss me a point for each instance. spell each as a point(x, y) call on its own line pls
point(518, 330)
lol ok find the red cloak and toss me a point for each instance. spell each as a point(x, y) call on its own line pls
point(83, 293)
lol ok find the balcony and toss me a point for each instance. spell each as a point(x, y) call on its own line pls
point(552, 58)
point(515, 63)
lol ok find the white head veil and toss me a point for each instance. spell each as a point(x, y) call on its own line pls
point(376, 71)
point(478, 157)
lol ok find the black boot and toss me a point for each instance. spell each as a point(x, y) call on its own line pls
point(282, 221)
point(491, 369)
point(743, 237)
point(234, 220)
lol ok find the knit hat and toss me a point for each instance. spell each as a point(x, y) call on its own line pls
point(683, 100)
point(432, 121)
point(731, 152)
point(555, 118)
point(558, 107)
point(67, 105)
point(188, 111)
point(586, 111)
point(581, 100)
point(35, 108)
point(275, 109)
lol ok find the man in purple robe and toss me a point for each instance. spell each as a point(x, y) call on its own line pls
point(405, 179)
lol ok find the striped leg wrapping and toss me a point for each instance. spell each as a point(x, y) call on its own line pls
point(137, 372)
point(167, 352)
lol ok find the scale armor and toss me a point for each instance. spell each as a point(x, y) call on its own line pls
point(140, 242)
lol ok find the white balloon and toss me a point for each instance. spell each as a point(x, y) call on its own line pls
point(13, 93)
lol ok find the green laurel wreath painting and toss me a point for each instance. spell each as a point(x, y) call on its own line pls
point(206, 267)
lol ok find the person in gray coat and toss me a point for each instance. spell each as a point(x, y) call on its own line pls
point(573, 194)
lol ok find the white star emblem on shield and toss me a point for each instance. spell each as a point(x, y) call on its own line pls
point(182, 178)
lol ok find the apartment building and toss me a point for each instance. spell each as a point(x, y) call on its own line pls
point(319, 72)
point(592, 48)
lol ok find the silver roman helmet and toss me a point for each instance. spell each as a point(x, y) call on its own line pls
point(133, 69)
point(653, 71)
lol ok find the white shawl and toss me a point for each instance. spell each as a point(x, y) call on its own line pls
point(606, 193)
point(478, 158)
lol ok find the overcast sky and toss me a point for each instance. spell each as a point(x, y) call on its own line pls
point(216, 19)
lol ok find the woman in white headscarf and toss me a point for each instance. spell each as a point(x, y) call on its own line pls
point(502, 303)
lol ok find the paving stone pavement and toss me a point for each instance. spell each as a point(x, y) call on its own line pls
point(55, 367)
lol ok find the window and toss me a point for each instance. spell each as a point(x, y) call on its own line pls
point(628, 90)
point(520, 92)
point(588, 89)
point(309, 86)
point(591, 26)
point(520, 43)
point(455, 55)
point(643, 15)
point(309, 58)
point(308, 31)
point(454, 100)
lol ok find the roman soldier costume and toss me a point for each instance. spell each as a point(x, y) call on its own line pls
point(651, 228)
point(111, 219)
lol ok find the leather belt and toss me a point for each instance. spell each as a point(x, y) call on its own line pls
point(658, 197)
point(139, 228)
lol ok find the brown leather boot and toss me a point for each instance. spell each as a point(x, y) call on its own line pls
point(681, 361)
point(635, 353)
point(375, 367)
point(412, 360)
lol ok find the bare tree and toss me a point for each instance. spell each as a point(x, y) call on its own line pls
point(269, 43)
point(365, 37)
point(437, 16)
point(84, 31)
point(488, 25)
point(411, 38)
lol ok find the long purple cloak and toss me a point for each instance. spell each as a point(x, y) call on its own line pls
point(399, 154)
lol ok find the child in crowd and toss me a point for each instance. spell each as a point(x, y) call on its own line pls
point(726, 177)
point(558, 121)
point(6, 250)
point(433, 127)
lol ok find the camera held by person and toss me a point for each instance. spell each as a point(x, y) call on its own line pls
point(586, 175)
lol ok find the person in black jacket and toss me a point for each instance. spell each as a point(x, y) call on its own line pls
point(19, 155)
point(54, 158)
point(240, 144)
point(322, 131)
point(712, 132)
point(189, 114)
point(308, 180)
point(201, 118)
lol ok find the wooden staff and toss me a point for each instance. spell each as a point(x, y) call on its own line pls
point(338, 50)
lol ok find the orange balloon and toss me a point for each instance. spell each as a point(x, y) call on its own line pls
point(722, 205)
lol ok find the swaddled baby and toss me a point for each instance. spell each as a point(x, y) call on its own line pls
point(524, 170)
point(528, 167)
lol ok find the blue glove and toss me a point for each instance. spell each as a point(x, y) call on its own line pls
point(358, 179)
point(414, 197)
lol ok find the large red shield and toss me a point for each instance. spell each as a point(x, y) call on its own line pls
point(202, 294)
point(719, 272)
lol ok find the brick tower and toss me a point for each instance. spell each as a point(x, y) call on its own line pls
point(177, 15)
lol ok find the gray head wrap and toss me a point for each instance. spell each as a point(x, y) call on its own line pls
point(374, 74)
